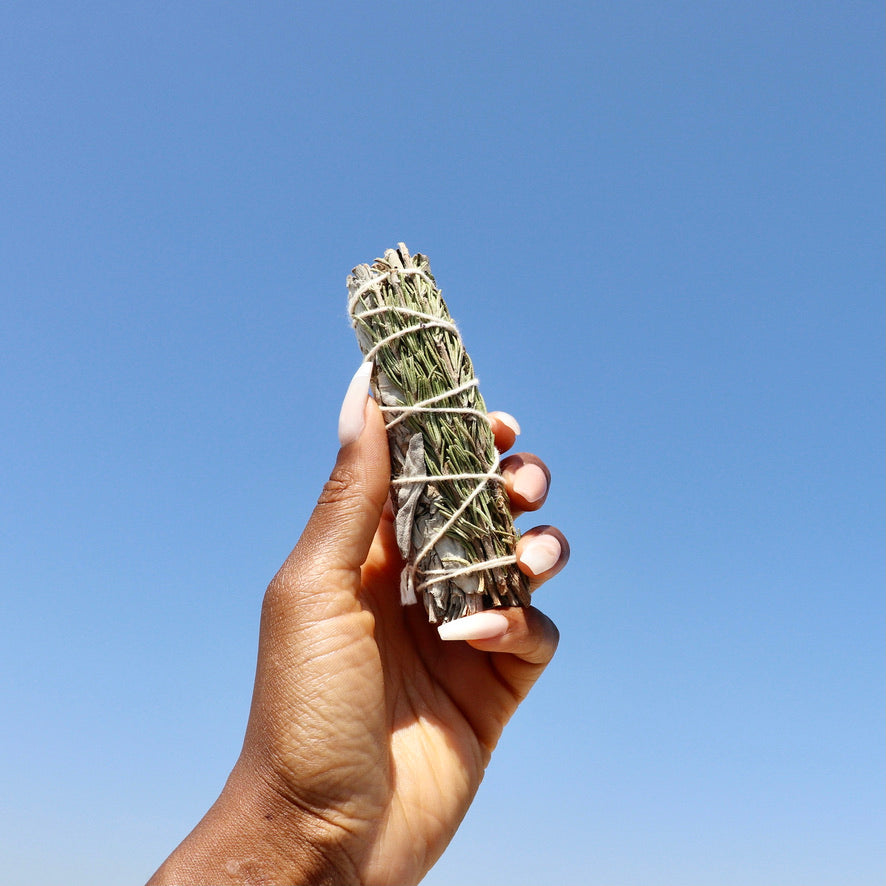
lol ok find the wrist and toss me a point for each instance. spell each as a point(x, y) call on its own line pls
point(253, 834)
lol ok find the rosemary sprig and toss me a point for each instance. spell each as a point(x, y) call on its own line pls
point(453, 522)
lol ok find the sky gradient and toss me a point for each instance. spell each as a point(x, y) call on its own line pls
point(660, 228)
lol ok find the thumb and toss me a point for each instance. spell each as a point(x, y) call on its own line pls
point(341, 528)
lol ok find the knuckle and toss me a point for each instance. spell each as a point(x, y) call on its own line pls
point(278, 595)
point(342, 498)
point(543, 638)
point(338, 488)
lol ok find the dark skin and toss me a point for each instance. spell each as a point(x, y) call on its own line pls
point(368, 734)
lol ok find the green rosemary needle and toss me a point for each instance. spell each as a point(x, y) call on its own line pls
point(452, 518)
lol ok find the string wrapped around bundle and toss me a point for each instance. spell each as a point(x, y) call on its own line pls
point(452, 518)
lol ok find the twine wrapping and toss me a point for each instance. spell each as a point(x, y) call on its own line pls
point(452, 518)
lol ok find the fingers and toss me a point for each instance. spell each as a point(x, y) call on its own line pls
point(344, 521)
point(527, 634)
point(527, 481)
point(527, 478)
point(541, 553)
point(342, 525)
point(505, 429)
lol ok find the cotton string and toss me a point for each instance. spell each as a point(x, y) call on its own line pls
point(492, 475)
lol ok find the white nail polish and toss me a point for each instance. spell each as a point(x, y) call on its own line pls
point(530, 482)
point(351, 418)
point(509, 420)
point(479, 626)
point(540, 553)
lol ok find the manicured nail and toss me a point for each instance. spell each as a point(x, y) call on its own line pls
point(530, 482)
point(479, 626)
point(540, 553)
point(351, 418)
point(510, 421)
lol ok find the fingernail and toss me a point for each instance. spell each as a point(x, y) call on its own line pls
point(530, 482)
point(479, 626)
point(351, 418)
point(510, 421)
point(540, 553)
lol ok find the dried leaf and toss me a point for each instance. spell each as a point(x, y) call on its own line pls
point(453, 520)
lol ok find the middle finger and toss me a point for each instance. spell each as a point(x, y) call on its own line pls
point(527, 481)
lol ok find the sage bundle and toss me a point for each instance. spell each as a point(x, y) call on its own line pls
point(452, 517)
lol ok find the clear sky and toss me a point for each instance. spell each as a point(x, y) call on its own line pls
point(660, 227)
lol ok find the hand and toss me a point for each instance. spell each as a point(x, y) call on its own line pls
point(369, 733)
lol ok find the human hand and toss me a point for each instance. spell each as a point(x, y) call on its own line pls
point(369, 733)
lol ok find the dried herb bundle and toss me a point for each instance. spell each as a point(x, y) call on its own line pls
point(453, 522)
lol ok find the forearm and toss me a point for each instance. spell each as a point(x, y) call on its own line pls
point(252, 835)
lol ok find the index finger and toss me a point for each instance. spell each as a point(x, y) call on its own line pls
point(505, 429)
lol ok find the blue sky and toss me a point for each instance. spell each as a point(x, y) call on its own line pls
point(660, 227)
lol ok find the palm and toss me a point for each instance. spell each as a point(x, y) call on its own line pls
point(368, 734)
point(417, 719)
